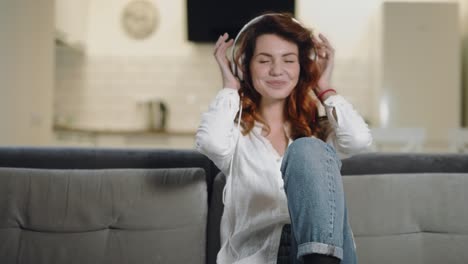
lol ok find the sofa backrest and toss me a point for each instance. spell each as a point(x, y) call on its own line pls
point(408, 208)
point(403, 208)
point(105, 158)
point(417, 218)
point(384, 163)
point(102, 215)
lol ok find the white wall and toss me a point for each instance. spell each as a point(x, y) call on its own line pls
point(119, 72)
point(106, 37)
point(26, 71)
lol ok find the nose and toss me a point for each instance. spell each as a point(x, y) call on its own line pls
point(276, 69)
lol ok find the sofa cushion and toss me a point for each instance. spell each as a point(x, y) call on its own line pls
point(409, 218)
point(102, 215)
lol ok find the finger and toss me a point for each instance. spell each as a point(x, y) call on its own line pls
point(325, 40)
point(319, 46)
point(316, 41)
point(217, 44)
point(326, 54)
point(327, 49)
point(227, 44)
point(221, 39)
point(321, 49)
point(224, 46)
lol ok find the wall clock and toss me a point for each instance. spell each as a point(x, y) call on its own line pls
point(139, 19)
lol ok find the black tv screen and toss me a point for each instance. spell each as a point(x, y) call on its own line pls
point(208, 19)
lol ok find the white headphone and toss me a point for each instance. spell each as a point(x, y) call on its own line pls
point(234, 67)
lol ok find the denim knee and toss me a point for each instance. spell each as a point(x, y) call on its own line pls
point(308, 151)
point(305, 145)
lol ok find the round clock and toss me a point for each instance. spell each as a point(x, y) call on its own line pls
point(139, 19)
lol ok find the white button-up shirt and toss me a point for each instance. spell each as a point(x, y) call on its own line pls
point(255, 205)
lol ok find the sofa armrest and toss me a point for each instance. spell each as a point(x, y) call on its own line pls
point(214, 219)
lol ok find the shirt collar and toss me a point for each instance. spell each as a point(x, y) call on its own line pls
point(258, 127)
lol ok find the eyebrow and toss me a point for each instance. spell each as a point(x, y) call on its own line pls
point(269, 55)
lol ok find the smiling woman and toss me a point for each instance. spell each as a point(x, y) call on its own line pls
point(281, 159)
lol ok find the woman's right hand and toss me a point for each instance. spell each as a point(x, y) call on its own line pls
point(229, 80)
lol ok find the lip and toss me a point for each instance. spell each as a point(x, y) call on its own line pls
point(276, 83)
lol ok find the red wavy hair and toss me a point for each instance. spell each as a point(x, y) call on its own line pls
point(300, 107)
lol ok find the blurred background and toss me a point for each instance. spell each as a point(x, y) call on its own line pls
point(139, 73)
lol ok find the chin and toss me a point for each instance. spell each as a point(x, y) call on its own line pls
point(278, 95)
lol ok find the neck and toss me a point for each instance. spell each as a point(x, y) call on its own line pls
point(273, 112)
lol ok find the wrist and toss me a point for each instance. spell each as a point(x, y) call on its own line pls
point(323, 94)
point(232, 85)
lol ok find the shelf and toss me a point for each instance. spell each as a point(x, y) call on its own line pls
point(61, 40)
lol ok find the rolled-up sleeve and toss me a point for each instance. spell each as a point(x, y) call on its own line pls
point(351, 134)
point(217, 135)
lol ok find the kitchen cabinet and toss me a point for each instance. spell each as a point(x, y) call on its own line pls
point(71, 22)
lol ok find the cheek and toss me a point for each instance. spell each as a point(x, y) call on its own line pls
point(257, 71)
point(257, 74)
point(294, 72)
point(297, 70)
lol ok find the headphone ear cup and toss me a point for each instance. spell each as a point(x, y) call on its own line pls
point(236, 70)
point(313, 54)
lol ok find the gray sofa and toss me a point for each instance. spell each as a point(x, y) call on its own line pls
point(85, 205)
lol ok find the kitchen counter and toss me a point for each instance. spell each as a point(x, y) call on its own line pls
point(71, 136)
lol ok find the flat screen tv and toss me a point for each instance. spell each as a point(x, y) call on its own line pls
point(207, 19)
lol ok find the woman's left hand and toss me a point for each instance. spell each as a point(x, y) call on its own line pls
point(325, 60)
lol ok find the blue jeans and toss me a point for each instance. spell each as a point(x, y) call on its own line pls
point(314, 189)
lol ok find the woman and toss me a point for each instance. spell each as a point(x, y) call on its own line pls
point(283, 173)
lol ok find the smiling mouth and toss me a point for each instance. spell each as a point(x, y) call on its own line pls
point(276, 83)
